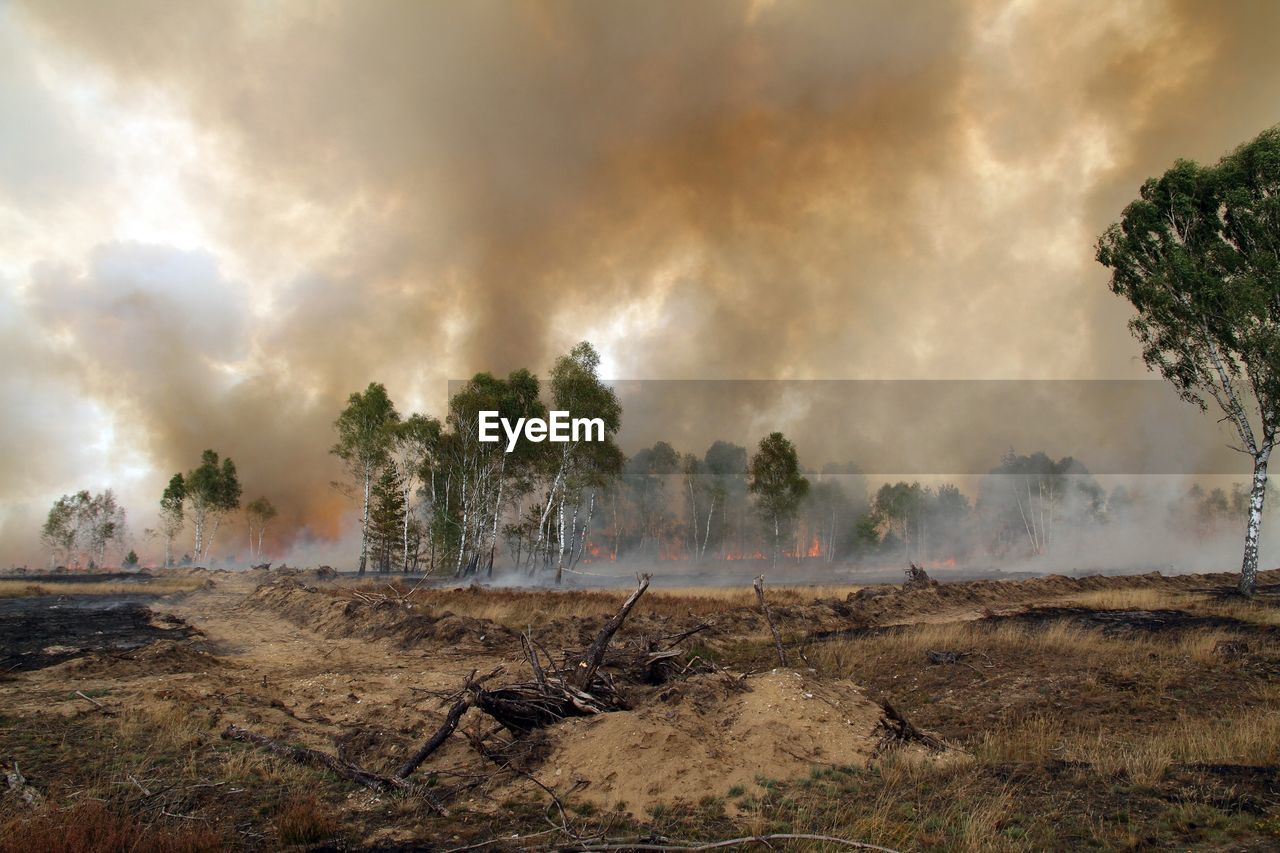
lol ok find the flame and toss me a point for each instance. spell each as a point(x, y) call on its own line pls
point(593, 553)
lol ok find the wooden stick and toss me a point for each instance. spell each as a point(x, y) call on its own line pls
point(103, 708)
point(442, 734)
point(587, 667)
point(768, 615)
point(466, 699)
point(302, 755)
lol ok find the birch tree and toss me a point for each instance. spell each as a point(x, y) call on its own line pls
point(726, 464)
point(365, 433)
point(779, 487)
point(83, 524)
point(61, 530)
point(415, 443)
point(103, 524)
point(582, 466)
point(212, 491)
point(1198, 256)
point(172, 516)
point(258, 514)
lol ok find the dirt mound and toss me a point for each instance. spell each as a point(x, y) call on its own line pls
point(705, 736)
point(165, 657)
point(389, 618)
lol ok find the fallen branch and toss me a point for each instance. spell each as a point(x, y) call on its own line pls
point(465, 698)
point(897, 729)
point(768, 615)
point(103, 708)
point(303, 755)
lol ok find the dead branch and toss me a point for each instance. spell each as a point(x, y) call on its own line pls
point(575, 688)
point(941, 656)
point(103, 708)
point(768, 615)
point(465, 700)
point(18, 784)
point(586, 671)
point(672, 639)
point(896, 729)
point(303, 755)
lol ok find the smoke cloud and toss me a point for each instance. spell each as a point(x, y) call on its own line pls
point(219, 219)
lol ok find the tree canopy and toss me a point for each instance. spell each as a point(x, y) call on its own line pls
point(1198, 256)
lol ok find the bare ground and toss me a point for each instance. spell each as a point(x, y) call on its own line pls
point(1099, 712)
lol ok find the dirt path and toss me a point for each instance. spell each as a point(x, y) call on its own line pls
point(254, 668)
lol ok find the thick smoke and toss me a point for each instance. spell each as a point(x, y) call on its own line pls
point(413, 192)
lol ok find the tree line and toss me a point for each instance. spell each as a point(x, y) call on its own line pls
point(1195, 255)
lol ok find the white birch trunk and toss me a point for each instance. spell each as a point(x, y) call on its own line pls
point(364, 522)
point(1257, 496)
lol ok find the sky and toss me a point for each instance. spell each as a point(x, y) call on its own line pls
point(218, 219)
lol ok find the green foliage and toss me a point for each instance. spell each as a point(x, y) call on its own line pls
point(366, 434)
point(775, 479)
point(386, 520)
point(83, 523)
point(130, 560)
point(1198, 256)
point(213, 486)
point(365, 429)
point(261, 510)
point(1027, 499)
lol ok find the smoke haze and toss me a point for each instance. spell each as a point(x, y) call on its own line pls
point(218, 219)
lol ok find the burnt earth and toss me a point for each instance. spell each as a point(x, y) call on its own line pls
point(1113, 622)
point(36, 632)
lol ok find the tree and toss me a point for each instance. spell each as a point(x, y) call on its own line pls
point(60, 530)
point(386, 519)
point(1198, 256)
point(775, 479)
point(102, 520)
point(83, 523)
point(1031, 497)
point(259, 513)
point(211, 490)
point(645, 476)
point(902, 509)
point(726, 465)
point(580, 466)
point(130, 560)
point(171, 514)
point(415, 442)
point(364, 443)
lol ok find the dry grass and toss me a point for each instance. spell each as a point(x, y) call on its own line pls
point(93, 827)
point(304, 820)
point(1262, 610)
point(154, 586)
point(520, 608)
point(1249, 737)
point(1088, 646)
